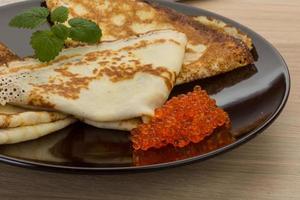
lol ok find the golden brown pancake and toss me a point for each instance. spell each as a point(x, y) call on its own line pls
point(209, 51)
point(19, 124)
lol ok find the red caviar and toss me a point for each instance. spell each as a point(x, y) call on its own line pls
point(182, 120)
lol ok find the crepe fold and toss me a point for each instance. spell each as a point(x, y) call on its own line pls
point(12, 117)
point(104, 84)
point(25, 133)
point(21, 124)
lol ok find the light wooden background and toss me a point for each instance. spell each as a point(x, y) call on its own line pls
point(268, 167)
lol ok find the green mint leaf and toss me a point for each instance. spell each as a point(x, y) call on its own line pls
point(30, 18)
point(84, 30)
point(61, 31)
point(60, 14)
point(46, 45)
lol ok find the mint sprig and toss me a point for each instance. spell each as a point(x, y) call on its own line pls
point(47, 44)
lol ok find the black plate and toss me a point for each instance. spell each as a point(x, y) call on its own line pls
point(253, 96)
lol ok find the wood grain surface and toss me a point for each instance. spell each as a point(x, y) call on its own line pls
point(268, 167)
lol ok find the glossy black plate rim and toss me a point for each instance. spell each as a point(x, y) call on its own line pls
point(240, 141)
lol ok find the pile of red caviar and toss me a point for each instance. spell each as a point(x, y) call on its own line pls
point(182, 120)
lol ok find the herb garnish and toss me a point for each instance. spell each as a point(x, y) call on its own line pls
point(47, 44)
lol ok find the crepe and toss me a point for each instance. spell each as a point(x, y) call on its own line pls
point(209, 51)
point(19, 124)
point(110, 82)
point(25, 133)
point(12, 116)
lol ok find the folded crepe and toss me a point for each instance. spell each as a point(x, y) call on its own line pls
point(106, 84)
point(13, 116)
point(209, 51)
point(25, 133)
point(19, 124)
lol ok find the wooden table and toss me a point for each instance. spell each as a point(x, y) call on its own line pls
point(268, 167)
